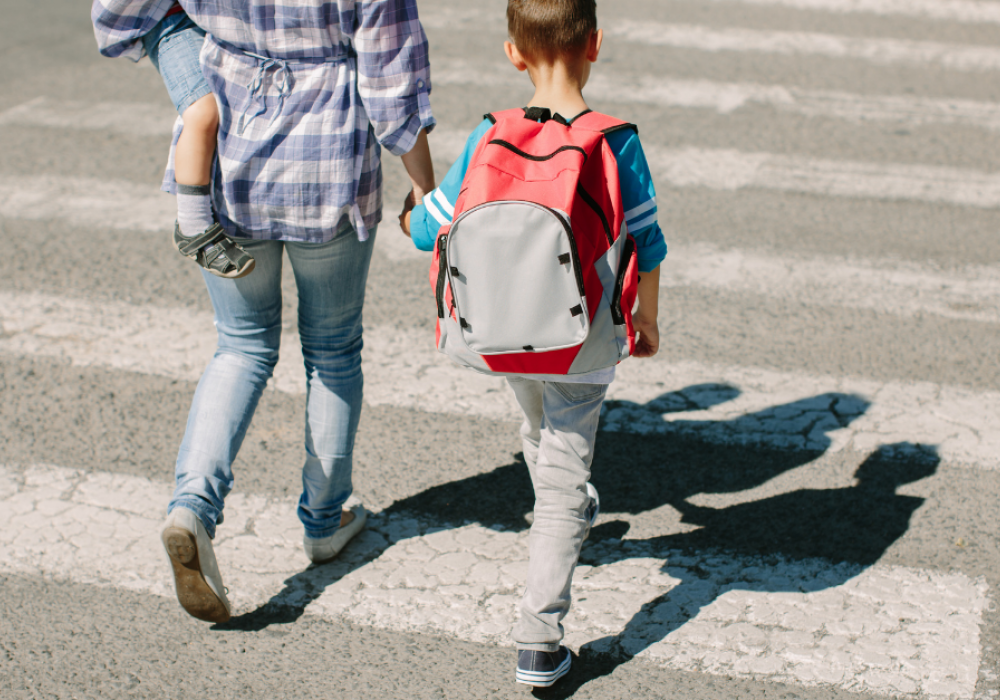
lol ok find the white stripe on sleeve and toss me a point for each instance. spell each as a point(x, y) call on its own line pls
point(642, 208)
point(433, 211)
point(639, 225)
point(443, 202)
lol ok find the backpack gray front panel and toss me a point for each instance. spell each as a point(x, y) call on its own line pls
point(511, 288)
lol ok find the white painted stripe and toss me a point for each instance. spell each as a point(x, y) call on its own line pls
point(967, 11)
point(443, 202)
point(87, 202)
point(724, 169)
point(884, 630)
point(889, 286)
point(786, 409)
point(135, 118)
point(725, 98)
point(880, 51)
point(641, 209)
point(961, 11)
point(116, 204)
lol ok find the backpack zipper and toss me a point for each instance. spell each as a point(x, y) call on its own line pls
point(538, 159)
point(577, 271)
point(442, 272)
point(592, 203)
point(617, 315)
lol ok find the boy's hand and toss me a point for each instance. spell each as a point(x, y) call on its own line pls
point(644, 318)
point(404, 217)
point(647, 342)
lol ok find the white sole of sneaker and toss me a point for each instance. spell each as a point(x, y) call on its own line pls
point(544, 680)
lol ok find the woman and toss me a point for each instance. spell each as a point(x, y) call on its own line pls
point(307, 91)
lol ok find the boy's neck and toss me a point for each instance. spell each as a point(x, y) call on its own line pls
point(559, 87)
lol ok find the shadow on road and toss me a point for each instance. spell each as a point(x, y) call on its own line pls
point(637, 473)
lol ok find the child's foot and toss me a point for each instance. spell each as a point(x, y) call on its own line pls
point(215, 251)
point(593, 509)
point(542, 668)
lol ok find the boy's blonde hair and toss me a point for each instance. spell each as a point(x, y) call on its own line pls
point(550, 28)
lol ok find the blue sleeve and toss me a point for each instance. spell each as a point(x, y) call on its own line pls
point(439, 205)
point(639, 199)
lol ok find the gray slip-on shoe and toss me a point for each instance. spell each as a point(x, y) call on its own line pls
point(325, 549)
point(196, 572)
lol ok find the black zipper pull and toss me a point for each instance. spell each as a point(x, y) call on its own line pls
point(442, 272)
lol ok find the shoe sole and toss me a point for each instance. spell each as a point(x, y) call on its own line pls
point(544, 680)
point(193, 592)
point(234, 275)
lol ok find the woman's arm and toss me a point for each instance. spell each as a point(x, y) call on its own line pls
point(420, 168)
point(393, 73)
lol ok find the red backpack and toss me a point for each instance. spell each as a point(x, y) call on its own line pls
point(537, 274)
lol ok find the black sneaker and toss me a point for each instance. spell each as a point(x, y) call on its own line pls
point(542, 668)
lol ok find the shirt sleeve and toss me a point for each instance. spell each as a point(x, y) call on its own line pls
point(639, 199)
point(393, 71)
point(119, 25)
point(438, 208)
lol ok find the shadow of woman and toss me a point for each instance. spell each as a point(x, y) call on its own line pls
point(851, 527)
point(634, 473)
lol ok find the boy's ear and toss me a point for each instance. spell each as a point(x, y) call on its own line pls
point(594, 47)
point(514, 56)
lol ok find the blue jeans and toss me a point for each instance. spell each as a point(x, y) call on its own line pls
point(330, 278)
point(174, 48)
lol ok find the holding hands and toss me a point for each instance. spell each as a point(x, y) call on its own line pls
point(420, 168)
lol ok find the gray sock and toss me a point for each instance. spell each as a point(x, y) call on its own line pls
point(194, 208)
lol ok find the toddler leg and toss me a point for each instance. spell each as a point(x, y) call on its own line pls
point(559, 475)
point(193, 164)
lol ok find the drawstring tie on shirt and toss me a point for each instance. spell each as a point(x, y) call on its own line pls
point(256, 96)
point(255, 88)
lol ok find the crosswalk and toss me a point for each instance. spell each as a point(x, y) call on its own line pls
point(878, 622)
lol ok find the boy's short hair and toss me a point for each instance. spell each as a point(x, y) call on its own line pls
point(551, 27)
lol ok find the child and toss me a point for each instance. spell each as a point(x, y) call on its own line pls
point(173, 45)
point(555, 41)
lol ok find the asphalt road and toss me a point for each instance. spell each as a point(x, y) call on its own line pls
point(928, 512)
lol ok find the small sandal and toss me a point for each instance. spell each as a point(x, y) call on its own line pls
point(215, 251)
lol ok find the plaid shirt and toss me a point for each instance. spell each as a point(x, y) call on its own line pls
point(307, 91)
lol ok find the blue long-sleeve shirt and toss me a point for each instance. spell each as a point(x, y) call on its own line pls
point(638, 197)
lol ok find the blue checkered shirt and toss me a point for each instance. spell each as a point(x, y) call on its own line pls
point(307, 90)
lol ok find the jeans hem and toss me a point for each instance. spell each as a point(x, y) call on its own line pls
point(539, 647)
point(199, 508)
point(192, 97)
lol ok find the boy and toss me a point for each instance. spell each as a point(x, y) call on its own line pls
point(556, 41)
point(173, 43)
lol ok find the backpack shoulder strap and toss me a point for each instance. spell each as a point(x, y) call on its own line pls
point(595, 121)
point(494, 117)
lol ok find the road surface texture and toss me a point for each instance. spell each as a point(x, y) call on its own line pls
point(800, 492)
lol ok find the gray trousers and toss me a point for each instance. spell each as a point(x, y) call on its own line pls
point(559, 430)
